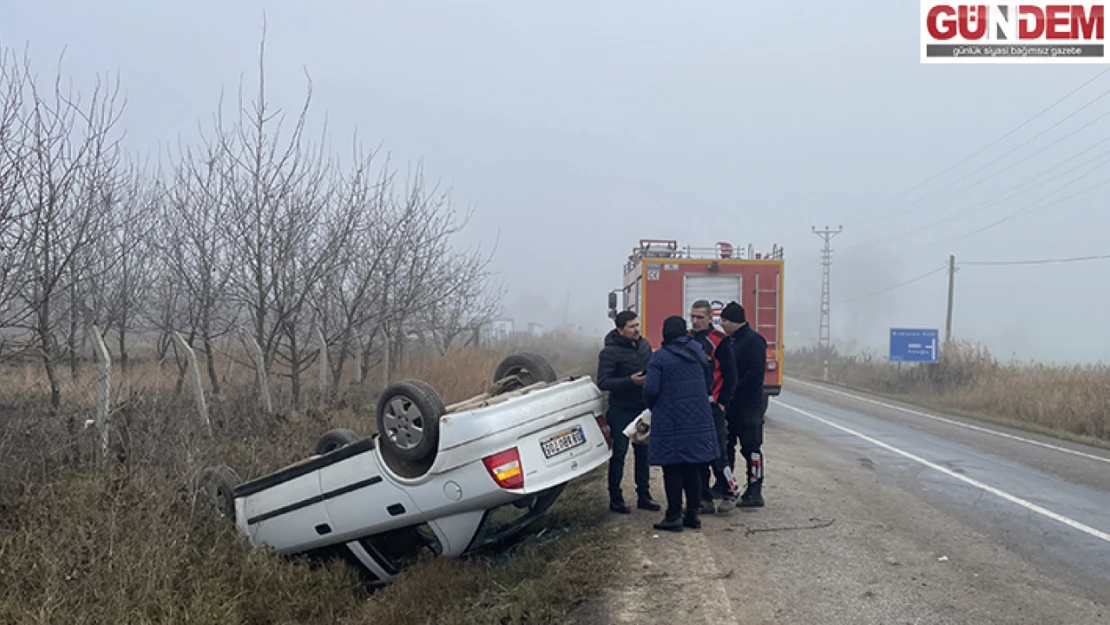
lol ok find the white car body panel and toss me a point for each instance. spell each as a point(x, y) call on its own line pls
point(353, 494)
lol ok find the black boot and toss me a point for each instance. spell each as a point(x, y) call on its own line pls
point(616, 504)
point(645, 502)
point(670, 524)
point(753, 497)
point(693, 518)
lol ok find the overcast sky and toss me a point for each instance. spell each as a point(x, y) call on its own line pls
point(576, 128)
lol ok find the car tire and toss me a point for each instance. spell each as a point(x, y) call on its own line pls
point(216, 488)
point(432, 394)
point(334, 439)
point(408, 414)
point(528, 368)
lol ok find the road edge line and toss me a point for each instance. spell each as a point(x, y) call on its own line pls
point(977, 428)
point(1028, 505)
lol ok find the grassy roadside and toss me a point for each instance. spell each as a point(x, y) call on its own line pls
point(1066, 403)
point(127, 543)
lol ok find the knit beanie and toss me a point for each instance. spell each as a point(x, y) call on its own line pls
point(734, 312)
point(673, 327)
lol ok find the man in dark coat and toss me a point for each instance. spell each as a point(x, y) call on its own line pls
point(745, 414)
point(620, 371)
point(683, 435)
point(716, 346)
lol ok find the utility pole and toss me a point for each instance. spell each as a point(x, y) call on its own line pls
point(951, 289)
point(824, 338)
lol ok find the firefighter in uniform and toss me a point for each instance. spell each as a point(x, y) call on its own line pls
point(719, 352)
point(749, 403)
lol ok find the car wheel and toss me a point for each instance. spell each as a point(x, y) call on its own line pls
point(334, 439)
point(522, 369)
point(216, 487)
point(408, 420)
point(432, 394)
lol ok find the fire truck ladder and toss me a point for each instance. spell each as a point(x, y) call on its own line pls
point(771, 344)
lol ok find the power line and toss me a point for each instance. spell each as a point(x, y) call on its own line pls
point(924, 201)
point(1034, 206)
point(993, 143)
point(1013, 193)
point(1042, 261)
point(896, 286)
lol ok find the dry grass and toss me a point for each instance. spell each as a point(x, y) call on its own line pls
point(1072, 400)
point(127, 543)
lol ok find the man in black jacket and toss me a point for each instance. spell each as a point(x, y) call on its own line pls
point(620, 370)
point(745, 413)
point(718, 350)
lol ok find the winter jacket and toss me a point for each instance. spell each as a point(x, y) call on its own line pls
point(677, 389)
point(616, 363)
point(750, 351)
point(715, 343)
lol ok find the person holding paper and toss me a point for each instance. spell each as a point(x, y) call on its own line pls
point(620, 371)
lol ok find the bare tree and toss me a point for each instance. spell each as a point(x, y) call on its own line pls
point(195, 250)
point(13, 310)
point(344, 301)
point(129, 246)
point(261, 174)
point(70, 155)
point(287, 230)
point(467, 297)
point(425, 274)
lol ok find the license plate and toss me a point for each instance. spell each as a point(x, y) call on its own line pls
point(563, 442)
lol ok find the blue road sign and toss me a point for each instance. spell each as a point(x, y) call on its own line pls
point(914, 345)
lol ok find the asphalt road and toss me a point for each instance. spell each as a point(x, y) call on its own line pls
point(879, 512)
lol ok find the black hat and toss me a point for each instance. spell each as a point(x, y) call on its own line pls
point(673, 327)
point(734, 312)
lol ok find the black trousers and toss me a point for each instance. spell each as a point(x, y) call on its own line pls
point(717, 467)
point(679, 478)
point(747, 430)
point(618, 419)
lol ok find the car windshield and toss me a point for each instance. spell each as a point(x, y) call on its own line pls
point(505, 520)
point(401, 548)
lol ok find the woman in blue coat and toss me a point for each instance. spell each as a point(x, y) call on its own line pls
point(683, 435)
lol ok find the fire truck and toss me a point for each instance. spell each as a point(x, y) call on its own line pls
point(663, 279)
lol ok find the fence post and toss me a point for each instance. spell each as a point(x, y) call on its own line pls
point(259, 369)
point(387, 347)
point(323, 364)
point(826, 371)
point(358, 360)
point(103, 390)
point(198, 390)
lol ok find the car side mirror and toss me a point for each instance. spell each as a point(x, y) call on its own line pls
point(612, 301)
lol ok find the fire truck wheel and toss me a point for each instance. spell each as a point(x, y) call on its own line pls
point(522, 369)
point(334, 439)
point(408, 422)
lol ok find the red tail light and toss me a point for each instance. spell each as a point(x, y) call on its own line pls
point(505, 469)
point(601, 423)
point(772, 361)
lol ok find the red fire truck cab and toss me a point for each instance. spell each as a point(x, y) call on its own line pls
point(661, 279)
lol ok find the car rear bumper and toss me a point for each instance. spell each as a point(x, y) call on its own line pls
point(561, 463)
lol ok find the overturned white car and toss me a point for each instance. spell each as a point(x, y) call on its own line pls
point(435, 479)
